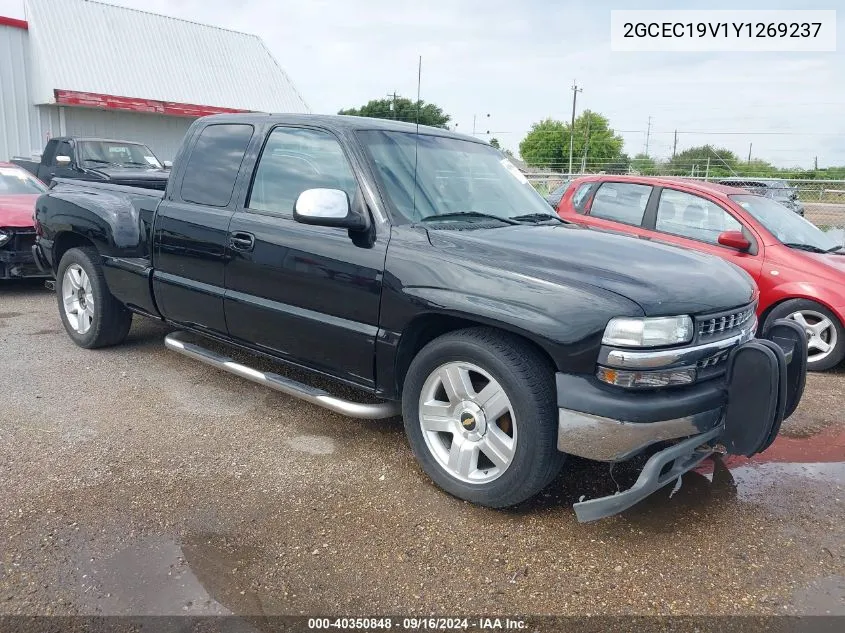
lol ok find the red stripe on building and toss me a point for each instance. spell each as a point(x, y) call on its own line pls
point(17, 24)
point(132, 104)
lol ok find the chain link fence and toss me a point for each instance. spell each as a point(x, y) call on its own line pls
point(823, 200)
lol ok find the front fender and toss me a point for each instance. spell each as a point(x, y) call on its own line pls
point(827, 295)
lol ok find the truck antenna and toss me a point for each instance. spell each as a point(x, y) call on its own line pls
point(417, 136)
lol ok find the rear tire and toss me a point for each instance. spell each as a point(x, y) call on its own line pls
point(91, 315)
point(826, 346)
point(480, 413)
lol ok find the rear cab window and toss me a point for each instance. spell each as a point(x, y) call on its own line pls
point(214, 163)
point(623, 202)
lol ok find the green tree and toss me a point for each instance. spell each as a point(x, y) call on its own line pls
point(704, 160)
point(643, 164)
point(404, 110)
point(593, 141)
point(495, 143)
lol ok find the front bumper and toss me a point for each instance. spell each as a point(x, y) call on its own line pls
point(17, 261)
point(743, 410)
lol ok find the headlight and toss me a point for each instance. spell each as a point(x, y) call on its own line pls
point(4, 237)
point(648, 332)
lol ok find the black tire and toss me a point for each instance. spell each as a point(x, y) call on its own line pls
point(790, 307)
point(111, 321)
point(527, 379)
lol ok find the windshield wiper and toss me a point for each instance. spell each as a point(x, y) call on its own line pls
point(460, 215)
point(132, 162)
point(98, 160)
point(538, 217)
point(805, 247)
point(834, 249)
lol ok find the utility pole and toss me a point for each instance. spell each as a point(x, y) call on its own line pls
point(675, 146)
point(586, 145)
point(575, 91)
point(393, 105)
point(749, 152)
point(816, 163)
point(647, 136)
point(473, 123)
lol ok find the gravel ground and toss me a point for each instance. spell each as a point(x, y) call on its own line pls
point(137, 481)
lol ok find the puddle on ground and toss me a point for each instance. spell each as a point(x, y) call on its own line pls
point(152, 577)
point(823, 596)
point(813, 465)
point(199, 576)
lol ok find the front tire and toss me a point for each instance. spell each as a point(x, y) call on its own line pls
point(480, 413)
point(826, 336)
point(91, 315)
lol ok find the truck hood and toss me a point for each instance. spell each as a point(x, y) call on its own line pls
point(661, 279)
point(16, 211)
point(116, 174)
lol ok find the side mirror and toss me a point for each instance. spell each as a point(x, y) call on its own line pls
point(168, 164)
point(734, 239)
point(63, 161)
point(328, 207)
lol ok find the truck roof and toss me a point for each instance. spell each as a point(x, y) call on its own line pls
point(94, 138)
point(341, 121)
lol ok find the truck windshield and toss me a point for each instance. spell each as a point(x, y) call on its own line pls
point(14, 182)
point(786, 225)
point(93, 153)
point(454, 178)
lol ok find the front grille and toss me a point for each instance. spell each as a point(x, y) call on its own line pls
point(21, 240)
point(724, 325)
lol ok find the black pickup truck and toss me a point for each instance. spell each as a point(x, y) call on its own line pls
point(98, 159)
point(421, 267)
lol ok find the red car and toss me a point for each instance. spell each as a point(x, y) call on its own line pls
point(18, 192)
point(799, 269)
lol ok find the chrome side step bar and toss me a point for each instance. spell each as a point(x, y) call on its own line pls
point(287, 386)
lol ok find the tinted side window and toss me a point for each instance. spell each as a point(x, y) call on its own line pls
point(214, 164)
point(579, 198)
point(687, 215)
point(49, 152)
point(296, 159)
point(63, 149)
point(621, 202)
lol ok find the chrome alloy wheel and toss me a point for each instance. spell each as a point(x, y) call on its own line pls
point(78, 298)
point(821, 333)
point(467, 422)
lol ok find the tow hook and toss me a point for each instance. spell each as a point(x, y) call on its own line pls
point(50, 284)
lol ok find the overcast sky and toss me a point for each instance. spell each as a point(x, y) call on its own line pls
point(517, 62)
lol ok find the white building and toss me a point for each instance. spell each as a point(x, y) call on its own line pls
point(83, 68)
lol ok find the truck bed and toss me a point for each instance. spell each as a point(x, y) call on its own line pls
point(118, 219)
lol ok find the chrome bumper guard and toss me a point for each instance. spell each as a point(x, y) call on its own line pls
point(683, 456)
point(765, 382)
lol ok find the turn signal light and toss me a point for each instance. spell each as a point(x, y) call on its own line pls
point(646, 379)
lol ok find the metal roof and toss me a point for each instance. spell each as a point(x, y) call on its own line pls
point(91, 47)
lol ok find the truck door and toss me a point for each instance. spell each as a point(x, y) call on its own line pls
point(191, 228)
point(305, 293)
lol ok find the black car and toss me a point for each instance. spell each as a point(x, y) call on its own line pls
point(777, 189)
point(415, 265)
